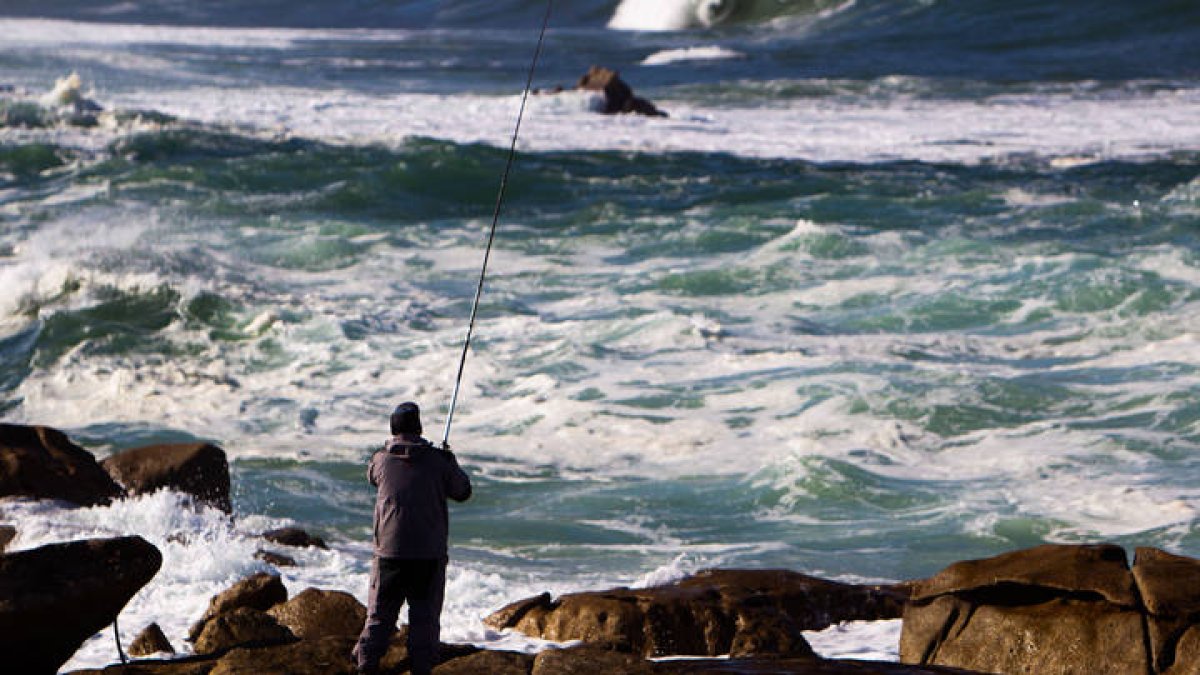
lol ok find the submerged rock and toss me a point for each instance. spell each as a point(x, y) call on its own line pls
point(42, 463)
point(294, 536)
point(711, 613)
point(196, 469)
point(54, 597)
point(618, 96)
point(273, 558)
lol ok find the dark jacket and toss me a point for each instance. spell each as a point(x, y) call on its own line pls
point(414, 479)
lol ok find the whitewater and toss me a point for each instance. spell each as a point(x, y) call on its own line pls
point(892, 286)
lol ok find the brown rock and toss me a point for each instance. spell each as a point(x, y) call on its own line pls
point(511, 614)
point(241, 627)
point(1187, 654)
point(618, 96)
point(490, 662)
point(315, 613)
point(768, 633)
point(54, 597)
point(42, 463)
point(774, 666)
point(260, 591)
point(1099, 570)
point(1169, 584)
point(586, 660)
point(294, 536)
point(150, 641)
point(7, 534)
point(1046, 610)
point(196, 469)
point(322, 656)
point(276, 559)
point(703, 615)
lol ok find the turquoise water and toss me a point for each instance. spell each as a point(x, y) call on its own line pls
point(843, 312)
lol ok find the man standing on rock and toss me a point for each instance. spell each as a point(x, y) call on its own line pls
point(414, 479)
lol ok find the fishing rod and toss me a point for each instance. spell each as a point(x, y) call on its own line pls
point(487, 254)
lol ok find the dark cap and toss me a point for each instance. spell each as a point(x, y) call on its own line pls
point(406, 419)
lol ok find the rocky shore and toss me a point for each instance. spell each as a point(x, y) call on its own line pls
point(1049, 609)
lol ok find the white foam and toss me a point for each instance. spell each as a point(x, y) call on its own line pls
point(859, 640)
point(712, 53)
point(1144, 124)
point(662, 15)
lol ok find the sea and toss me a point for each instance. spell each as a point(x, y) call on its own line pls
point(896, 283)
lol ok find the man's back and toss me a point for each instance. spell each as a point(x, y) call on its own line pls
point(414, 480)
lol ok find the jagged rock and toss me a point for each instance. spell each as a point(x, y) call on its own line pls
point(54, 597)
point(276, 559)
point(1047, 610)
point(294, 536)
point(315, 613)
point(43, 463)
point(706, 614)
point(770, 633)
point(618, 96)
point(242, 626)
point(585, 660)
point(260, 591)
point(197, 469)
point(1099, 570)
point(7, 534)
point(150, 641)
point(1168, 587)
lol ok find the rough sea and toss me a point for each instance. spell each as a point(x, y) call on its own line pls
point(897, 283)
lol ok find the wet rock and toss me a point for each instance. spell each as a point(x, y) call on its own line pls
point(1170, 589)
point(585, 660)
point(240, 627)
point(706, 614)
point(196, 469)
point(294, 536)
point(1050, 609)
point(150, 641)
point(273, 558)
point(260, 591)
point(491, 662)
point(618, 96)
point(315, 613)
point(42, 463)
point(7, 534)
point(769, 666)
point(323, 656)
point(54, 597)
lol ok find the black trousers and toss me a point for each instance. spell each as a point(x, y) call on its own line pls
point(422, 584)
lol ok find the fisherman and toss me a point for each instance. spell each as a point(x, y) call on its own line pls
point(414, 478)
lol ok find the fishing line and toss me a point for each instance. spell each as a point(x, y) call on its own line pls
point(512, 152)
